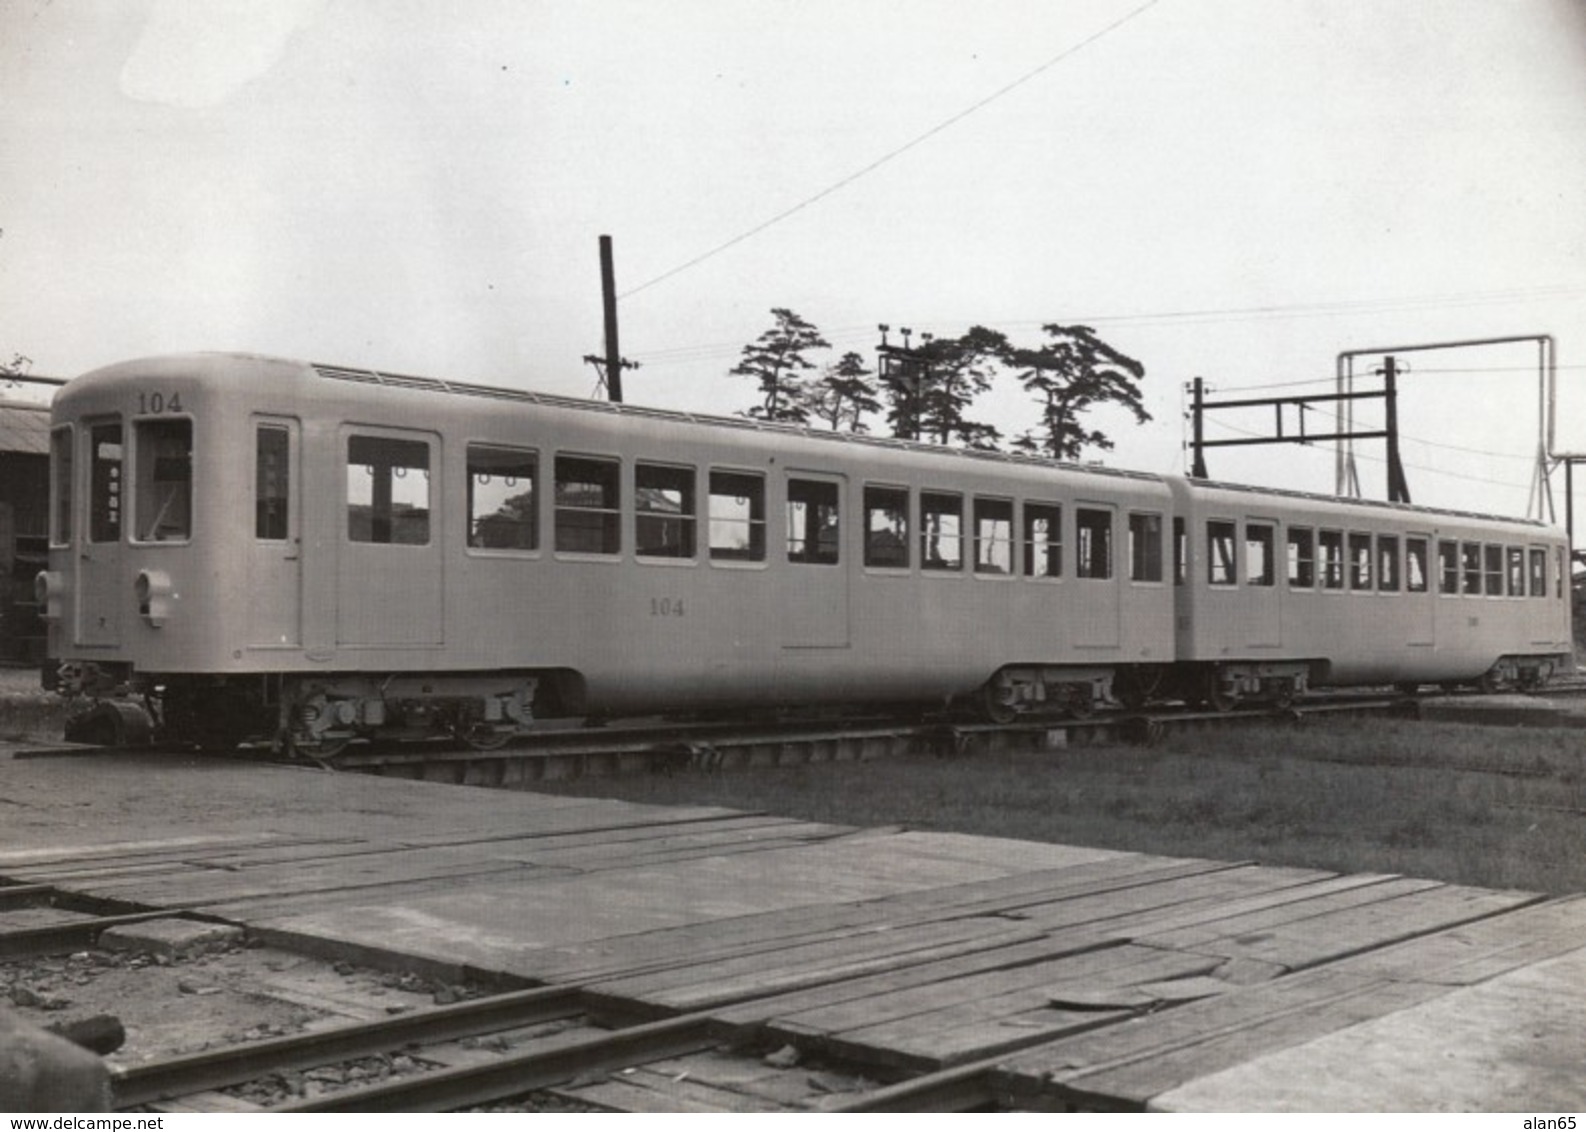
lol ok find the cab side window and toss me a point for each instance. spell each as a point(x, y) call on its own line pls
point(104, 483)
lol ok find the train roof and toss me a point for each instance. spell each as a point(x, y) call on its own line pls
point(383, 379)
point(1363, 504)
point(641, 412)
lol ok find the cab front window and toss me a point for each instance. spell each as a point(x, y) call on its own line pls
point(163, 480)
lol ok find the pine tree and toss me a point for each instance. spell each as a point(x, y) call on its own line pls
point(776, 360)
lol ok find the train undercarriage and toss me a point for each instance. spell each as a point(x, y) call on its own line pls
point(316, 716)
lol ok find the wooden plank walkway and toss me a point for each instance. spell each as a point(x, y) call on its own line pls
point(1066, 976)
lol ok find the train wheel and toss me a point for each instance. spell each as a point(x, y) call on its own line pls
point(317, 752)
point(482, 737)
point(995, 705)
point(1218, 698)
point(1135, 688)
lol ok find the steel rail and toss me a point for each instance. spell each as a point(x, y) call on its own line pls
point(446, 1090)
point(217, 1069)
point(962, 1088)
point(69, 935)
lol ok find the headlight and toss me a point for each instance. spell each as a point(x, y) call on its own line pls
point(153, 590)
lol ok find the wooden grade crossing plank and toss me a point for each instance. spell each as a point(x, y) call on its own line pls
point(1510, 1044)
point(845, 951)
point(1051, 946)
point(199, 887)
point(843, 1006)
point(1363, 927)
point(674, 846)
point(1126, 1065)
point(1481, 949)
point(49, 861)
point(697, 945)
point(813, 964)
point(1129, 1064)
point(232, 879)
point(593, 823)
point(967, 1019)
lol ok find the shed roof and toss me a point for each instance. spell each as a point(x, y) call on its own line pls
point(24, 428)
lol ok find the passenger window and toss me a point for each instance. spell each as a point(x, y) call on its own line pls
point(1093, 538)
point(813, 522)
point(1332, 545)
point(1260, 569)
point(1515, 557)
point(62, 465)
point(941, 531)
point(993, 536)
point(1359, 561)
point(1447, 566)
point(1145, 548)
point(104, 483)
point(1221, 566)
point(1538, 559)
point(1492, 557)
point(1470, 564)
point(272, 452)
point(887, 526)
point(1043, 540)
point(1302, 558)
point(503, 505)
point(1415, 579)
point(588, 502)
point(737, 517)
point(663, 503)
point(388, 490)
point(1388, 563)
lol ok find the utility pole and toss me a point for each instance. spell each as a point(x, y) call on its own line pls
point(1398, 486)
point(611, 365)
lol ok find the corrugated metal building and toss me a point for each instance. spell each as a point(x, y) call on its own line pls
point(24, 526)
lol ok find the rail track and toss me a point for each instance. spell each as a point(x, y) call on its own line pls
point(487, 1052)
point(663, 746)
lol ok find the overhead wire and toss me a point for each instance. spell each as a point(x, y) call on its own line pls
point(894, 154)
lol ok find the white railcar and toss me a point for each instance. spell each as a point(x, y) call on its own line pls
point(1280, 591)
point(311, 553)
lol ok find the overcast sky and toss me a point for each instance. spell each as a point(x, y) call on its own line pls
point(1236, 189)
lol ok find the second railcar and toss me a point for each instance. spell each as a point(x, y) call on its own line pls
point(1280, 591)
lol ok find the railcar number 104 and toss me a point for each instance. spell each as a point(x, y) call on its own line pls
point(159, 403)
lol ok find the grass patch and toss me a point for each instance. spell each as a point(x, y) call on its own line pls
point(1499, 808)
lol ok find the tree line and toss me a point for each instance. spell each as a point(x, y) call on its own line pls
point(928, 392)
